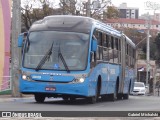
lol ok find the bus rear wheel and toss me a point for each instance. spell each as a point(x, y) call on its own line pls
point(126, 96)
point(119, 96)
point(113, 96)
point(39, 98)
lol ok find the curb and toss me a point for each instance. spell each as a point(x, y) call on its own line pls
point(9, 98)
point(16, 99)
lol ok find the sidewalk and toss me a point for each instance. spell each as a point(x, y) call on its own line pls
point(5, 98)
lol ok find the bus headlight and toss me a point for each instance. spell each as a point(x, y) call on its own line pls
point(25, 77)
point(79, 80)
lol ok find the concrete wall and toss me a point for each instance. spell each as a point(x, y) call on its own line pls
point(5, 26)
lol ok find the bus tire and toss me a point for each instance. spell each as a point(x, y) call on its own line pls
point(39, 98)
point(94, 99)
point(72, 98)
point(104, 97)
point(119, 96)
point(65, 98)
point(113, 96)
point(126, 96)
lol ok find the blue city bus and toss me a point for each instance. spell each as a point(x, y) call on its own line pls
point(76, 57)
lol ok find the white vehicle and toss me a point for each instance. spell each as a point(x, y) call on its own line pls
point(139, 88)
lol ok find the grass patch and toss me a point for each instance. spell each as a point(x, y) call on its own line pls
point(7, 92)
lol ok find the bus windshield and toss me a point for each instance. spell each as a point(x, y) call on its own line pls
point(71, 46)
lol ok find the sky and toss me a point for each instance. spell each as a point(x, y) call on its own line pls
point(130, 3)
point(138, 4)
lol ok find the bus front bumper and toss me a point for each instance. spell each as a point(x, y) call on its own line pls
point(55, 89)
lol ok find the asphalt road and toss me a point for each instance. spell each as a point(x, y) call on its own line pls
point(134, 103)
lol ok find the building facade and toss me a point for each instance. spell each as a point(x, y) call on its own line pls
point(132, 23)
point(5, 26)
point(128, 12)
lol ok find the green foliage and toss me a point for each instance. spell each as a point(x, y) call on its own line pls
point(157, 42)
point(33, 10)
point(111, 13)
point(136, 36)
point(31, 14)
point(68, 7)
point(153, 50)
point(7, 92)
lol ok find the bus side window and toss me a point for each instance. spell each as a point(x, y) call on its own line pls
point(98, 36)
point(100, 45)
point(111, 51)
point(105, 47)
point(127, 60)
point(116, 50)
point(131, 56)
point(119, 50)
point(112, 42)
point(116, 43)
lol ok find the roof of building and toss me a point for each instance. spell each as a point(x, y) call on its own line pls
point(131, 21)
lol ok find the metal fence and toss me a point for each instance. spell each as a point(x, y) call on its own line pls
point(5, 83)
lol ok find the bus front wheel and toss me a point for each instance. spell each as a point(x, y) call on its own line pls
point(39, 98)
point(94, 99)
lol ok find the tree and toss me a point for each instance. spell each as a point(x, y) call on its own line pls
point(68, 7)
point(134, 35)
point(157, 42)
point(111, 13)
point(30, 13)
point(33, 10)
point(153, 50)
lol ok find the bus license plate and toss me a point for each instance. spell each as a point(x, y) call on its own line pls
point(50, 89)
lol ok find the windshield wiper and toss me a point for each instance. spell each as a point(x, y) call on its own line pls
point(45, 58)
point(63, 60)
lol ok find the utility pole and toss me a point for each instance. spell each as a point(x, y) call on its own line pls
point(15, 52)
point(154, 82)
point(148, 49)
point(88, 9)
point(149, 6)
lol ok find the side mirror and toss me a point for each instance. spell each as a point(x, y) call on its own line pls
point(21, 38)
point(94, 45)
